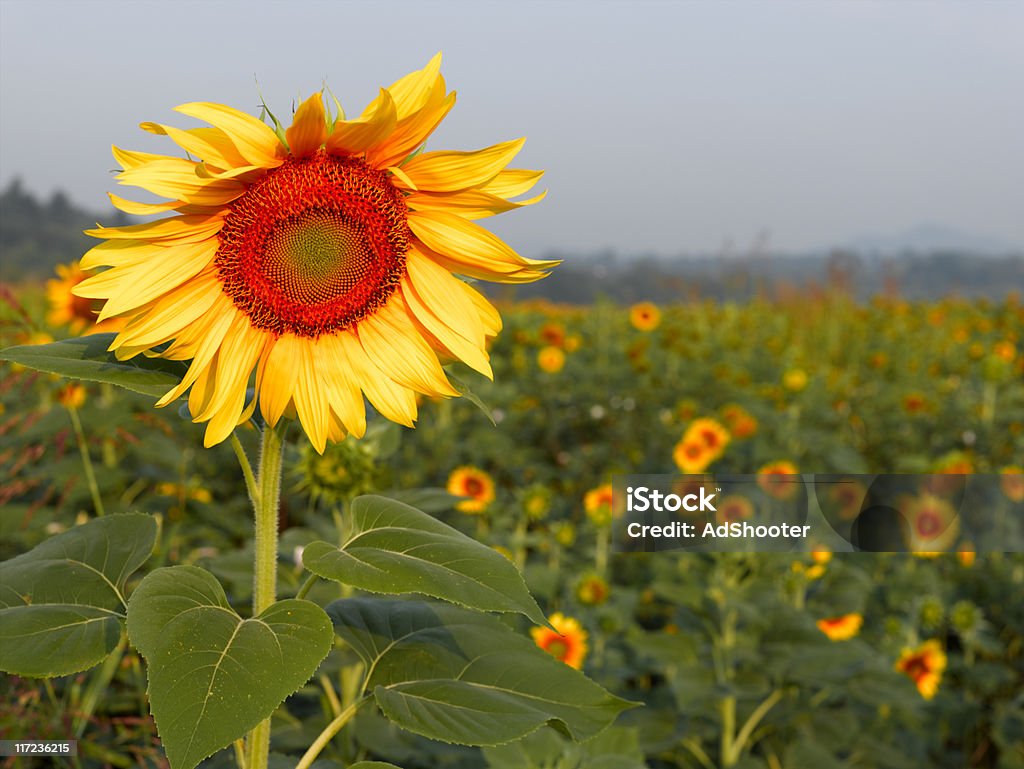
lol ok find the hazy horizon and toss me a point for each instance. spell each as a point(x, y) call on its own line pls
point(664, 127)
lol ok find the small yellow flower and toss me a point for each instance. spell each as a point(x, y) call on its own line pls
point(692, 455)
point(567, 642)
point(841, 628)
point(551, 359)
point(645, 316)
point(592, 590)
point(795, 380)
point(773, 479)
point(473, 483)
point(709, 432)
point(924, 666)
point(821, 554)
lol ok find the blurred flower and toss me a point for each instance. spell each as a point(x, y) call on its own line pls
point(966, 555)
point(795, 380)
point(924, 666)
point(847, 495)
point(1011, 481)
point(71, 395)
point(734, 507)
point(536, 501)
point(473, 483)
point(709, 432)
point(551, 359)
point(739, 421)
point(345, 470)
point(597, 503)
point(841, 628)
point(592, 590)
point(568, 644)
point(966, 618)
point(821, 554)
point(915, 403)
point(933, 524)
point(553, 334)
point(1005, 351)
point(79, 314)
point(645, 316)
point(774, 479)
point(691, 455)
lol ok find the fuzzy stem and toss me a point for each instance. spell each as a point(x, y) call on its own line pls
point(268, 489)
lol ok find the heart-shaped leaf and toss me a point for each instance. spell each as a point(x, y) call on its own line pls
point(62, 603)
point(212, 675)
point(87, 358)
point(458, 676)
point(394, 548)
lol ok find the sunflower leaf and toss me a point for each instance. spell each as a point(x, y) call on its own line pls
point(469, 395)
point(87, 358)
point(62, 603)
point(459, 676)
point(394, 548)
point(212, 675)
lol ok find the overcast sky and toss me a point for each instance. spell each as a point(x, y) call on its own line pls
point(664, 126)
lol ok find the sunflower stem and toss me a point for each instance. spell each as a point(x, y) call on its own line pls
point(328, 734)
point(265, 507)
point(243, 461)
point(83, 448)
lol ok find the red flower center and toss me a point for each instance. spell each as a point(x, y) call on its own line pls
point(314, 246)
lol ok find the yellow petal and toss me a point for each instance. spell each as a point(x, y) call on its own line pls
point(451, 171)
point(393, 401)
point(177, 179)
point(443, 335)
point(461, 242)
point(117, 253)
point(409, 133)
point(238, 354)
point(373, 126)
point(392, 342)
point(253, 138)
point(512, 182)
point(439, 291)
point(130, 159)
point(489, 316)
point(143, 209)
point(308, 130)
point(277, 376)
point(311, 404)
point(162, 319)
point(180, 229)
point(411, 92)
point(469, 204)
point(210, 145)
point(133, 285)
point(203, 338)
point(337, 377)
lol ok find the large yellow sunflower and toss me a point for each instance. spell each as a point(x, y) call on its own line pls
point(322, 256)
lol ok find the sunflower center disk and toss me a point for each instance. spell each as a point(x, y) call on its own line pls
point(314, 246)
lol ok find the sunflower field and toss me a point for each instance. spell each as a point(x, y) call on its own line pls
point(820, 659)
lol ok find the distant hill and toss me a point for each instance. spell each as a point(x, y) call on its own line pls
point(36, 236)
point(930, 238)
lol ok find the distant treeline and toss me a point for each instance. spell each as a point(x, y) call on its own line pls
point(36, 236)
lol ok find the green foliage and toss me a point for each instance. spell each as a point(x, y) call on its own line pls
point(213, 675)
point(62, 604)
point(394, 548)
point(458, 676)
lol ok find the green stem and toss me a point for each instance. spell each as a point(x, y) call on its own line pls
point(328, 734)
point(755, 718)
point(98, 685)
point(304, 590)
point(243, 461)
point(265, 507)
point(83, 448)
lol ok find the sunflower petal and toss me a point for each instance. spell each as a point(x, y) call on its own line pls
point(342, 389)
point(143, 209)
point(393, 401)
point(452, 171)
point(208, 144)
point(177, 179)
point(409, 133)
point(375, 124)
point(254, 139)
point(180, 229)
point(411, 92)
point(308, 130)
point(512, 182)
point(469, 204)
point(277, 375)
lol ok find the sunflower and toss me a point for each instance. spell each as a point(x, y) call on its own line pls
point(323, 257)
point(692, 455)
point(567, 642)
point(933, 524)
point(66, 309)
point(598, 504)
point(841, 628)
point(711, 433)
point(551, 359)
point(645, 316)
point(923, 666)
point(473, 483)
point(773, 479)
point(734, 508)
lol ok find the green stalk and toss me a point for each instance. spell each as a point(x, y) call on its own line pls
point(83, 448)
point(328, 734)
point(266, 503)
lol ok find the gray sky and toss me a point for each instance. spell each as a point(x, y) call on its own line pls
point(664, 126)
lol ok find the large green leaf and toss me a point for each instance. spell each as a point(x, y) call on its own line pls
point(62, 603)
point(394, 548)
point(212, 675)
point(87, 358)
point(459, 676)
